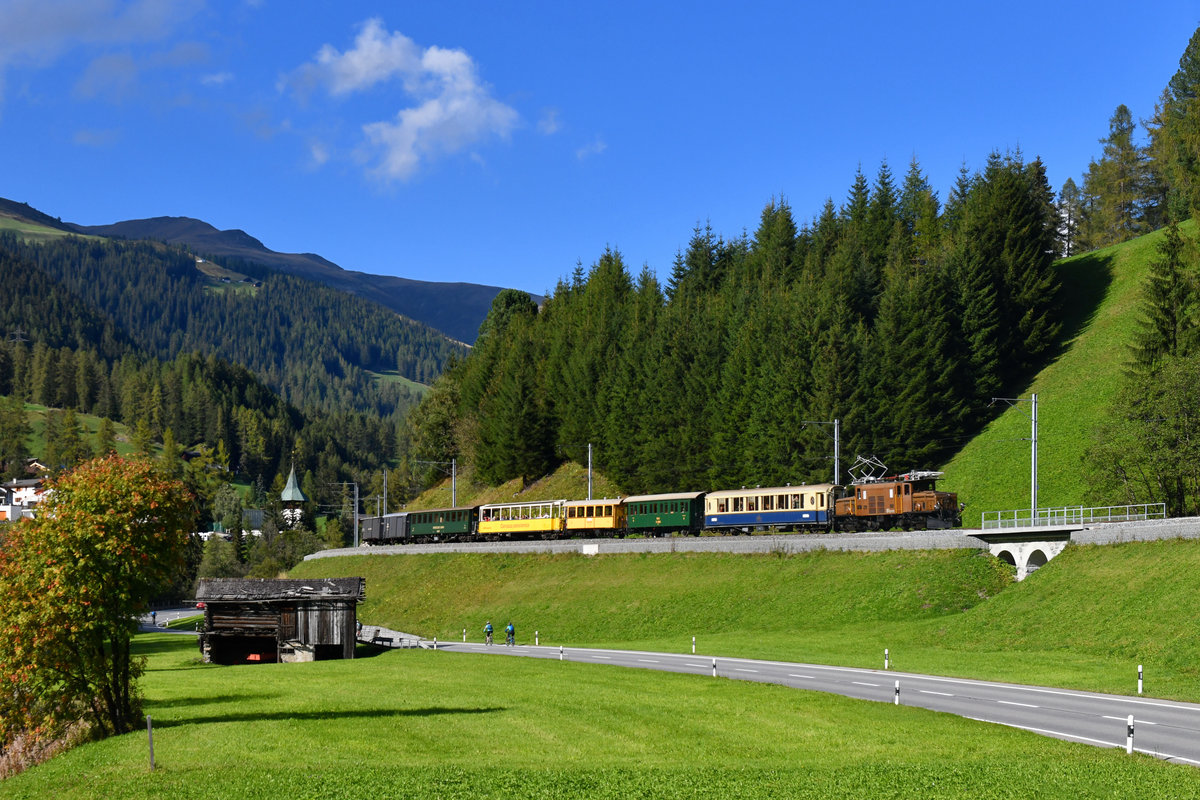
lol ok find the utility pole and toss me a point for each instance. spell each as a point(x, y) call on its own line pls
point(453, 476)
point(1033, 438)
point(837, 447)
point(355, 485)
point(589, 470)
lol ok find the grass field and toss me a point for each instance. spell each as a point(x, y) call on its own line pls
point(420, 724)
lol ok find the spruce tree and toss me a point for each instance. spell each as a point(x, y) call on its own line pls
point(1169, 300)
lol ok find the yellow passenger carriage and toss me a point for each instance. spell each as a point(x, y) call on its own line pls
point(606, 517)
point(502, 520)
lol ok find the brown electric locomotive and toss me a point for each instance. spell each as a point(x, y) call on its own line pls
point(909, 501)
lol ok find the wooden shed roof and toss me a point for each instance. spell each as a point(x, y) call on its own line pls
point(241, 589)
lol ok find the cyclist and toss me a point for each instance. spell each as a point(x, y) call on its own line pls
point(487, 630)
point(510, 635)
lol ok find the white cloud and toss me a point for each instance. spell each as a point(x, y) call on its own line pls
point(549, 124)
point(216, 79)
point(36, 33)
point(96, 138)
point(318, 152)
point(593, 148)
point(448, 108)
point(112, 76)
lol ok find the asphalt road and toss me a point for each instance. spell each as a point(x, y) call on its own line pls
point(1162, 728)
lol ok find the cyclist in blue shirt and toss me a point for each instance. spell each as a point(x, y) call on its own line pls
point(511, 634)
point(487, 629)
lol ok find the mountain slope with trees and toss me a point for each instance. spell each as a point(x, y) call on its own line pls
point(456, 309)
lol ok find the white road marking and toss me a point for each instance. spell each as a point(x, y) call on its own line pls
point(942, 694)
point(739, 669)
point(1011, 703)
point(806, 677)
point(606, 658)
point(648, 661)
point(860, 683)
point(1126, 719)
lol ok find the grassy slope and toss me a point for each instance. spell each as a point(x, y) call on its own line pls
point(568, 481)
point(36, 414)
point(422, 724)
point(1083, 621)
point(1101, 292)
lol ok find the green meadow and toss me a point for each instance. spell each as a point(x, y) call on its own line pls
point(420, 724)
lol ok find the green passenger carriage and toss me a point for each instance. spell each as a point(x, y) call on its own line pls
point(442, 523)
point(658, 514)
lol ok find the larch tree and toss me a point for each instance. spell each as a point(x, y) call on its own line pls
point(1117, 184)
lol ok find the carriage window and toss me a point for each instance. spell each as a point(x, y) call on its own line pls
point(891, 492)
point(781, 502)
point(821, 498)
point(768, 503)
point(608, 511)
point(752, 504)
point(739, 504)
point(721, 506)
point(796, 501)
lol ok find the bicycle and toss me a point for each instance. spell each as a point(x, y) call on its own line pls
point(510, 640)
point(488, 639)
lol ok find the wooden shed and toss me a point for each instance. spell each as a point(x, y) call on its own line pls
point(250, 620)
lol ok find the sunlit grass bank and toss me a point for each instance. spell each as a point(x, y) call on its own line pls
point(1086, 620)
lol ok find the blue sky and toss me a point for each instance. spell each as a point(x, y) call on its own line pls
point(503, 142)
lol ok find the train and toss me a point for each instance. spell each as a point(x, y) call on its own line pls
point(909, 501)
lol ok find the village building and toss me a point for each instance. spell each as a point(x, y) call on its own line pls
point(250, 620)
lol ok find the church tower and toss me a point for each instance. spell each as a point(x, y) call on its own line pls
point(293, 501)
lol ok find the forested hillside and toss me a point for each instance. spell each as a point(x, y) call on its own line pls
point(60, 354)
point(892, 314)
point(316, 346)
point(456, 309)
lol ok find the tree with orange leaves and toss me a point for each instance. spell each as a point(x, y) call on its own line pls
point(109, 537)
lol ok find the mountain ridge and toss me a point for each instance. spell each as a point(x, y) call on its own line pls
point(455, 308)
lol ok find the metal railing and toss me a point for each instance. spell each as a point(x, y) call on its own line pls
point(1072, 515)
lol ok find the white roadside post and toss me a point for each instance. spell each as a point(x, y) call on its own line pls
point(885, 658)
point(693, 645)
point(464, 635)
point(435, 643)
point(1129, 735)
point(535, 638)
point(560, 652)
point(897, 692)
point(714, 668)
point(1139, 678)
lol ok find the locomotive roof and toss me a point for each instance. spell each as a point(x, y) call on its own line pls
point(760, 490)
point(644, 498)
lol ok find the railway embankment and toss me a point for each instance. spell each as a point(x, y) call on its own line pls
point(1104, 533)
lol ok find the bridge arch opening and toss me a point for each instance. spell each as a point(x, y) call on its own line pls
point(1007, 558)
point(1036, 559)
